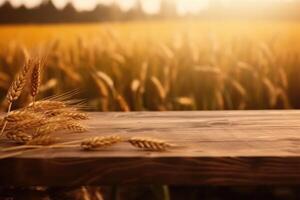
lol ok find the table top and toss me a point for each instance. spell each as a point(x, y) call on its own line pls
point(213, 148)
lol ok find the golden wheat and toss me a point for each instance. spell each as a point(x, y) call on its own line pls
point(106, 79)
point(46, 105)
point(69, 113)
point(73, 127)
point(35, 79)
point(27, 124)
point(75, 115)
point(16, 89)
point(18, 136)
point(18, 84)
point(185, 101)
point(100, 142)
point(149, 144)
point(122, 104)
point(20, 115)
point(46, 129)
point(64, 125)
point(141, 74)
point(160, 91)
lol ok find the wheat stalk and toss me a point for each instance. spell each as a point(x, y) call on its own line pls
point(160, 90)
point(25, 147)
point(100, 142)
point(122, 104)
point(106, 80)
point(149, 144)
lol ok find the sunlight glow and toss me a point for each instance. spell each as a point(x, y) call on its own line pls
point(152, 6)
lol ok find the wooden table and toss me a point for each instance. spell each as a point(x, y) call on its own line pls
point(217, 148)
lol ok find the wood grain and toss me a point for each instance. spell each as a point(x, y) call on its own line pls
point(216, 148)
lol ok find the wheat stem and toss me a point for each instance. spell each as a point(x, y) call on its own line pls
point(59, 145)
point(5, 122)
point(3, 128)
point(9, 107)
point(23, 147)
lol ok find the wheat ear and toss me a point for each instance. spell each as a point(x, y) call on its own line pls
point(35, 80)
point(75, 115)
point(42, 106)
point(149, 144)
point(16, 89)
point(69, 113)
point(74, 127)
point(100, 142)
point(18, 84)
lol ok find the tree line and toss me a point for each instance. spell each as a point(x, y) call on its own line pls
point(46, 12)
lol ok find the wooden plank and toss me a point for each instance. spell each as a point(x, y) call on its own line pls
point(217, 148)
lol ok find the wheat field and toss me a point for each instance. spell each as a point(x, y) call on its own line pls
point(169, 65)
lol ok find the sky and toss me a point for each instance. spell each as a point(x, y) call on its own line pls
point(150, 6)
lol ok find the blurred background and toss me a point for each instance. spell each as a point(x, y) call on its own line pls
point(133, 55)
point(159, 55)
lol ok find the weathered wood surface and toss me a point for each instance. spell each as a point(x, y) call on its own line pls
point(218, 148)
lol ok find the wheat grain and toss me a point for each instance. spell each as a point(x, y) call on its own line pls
point(100, 142)
point(41, 106)
point(149, 144)
point(75, 115)
point(58, 125)
point(69, 113)
point(46, 130)
point(27, 124)
point(20, 115)
point(18, 136)
point(73, 127)
point(52, 125)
